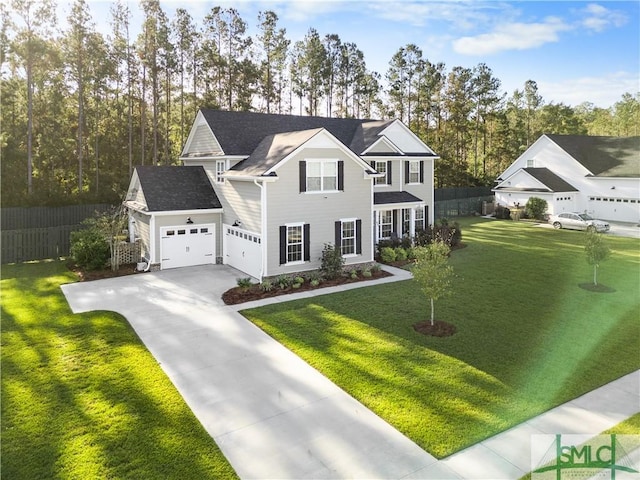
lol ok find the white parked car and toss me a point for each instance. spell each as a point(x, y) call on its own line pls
point(578, 221)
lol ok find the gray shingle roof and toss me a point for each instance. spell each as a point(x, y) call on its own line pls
point(550, 180)
point(176, 188)
point(240, 133)
point(271, 150)
point(381, 198)
point(603, 156)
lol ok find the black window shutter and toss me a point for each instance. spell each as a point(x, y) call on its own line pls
point(338, 234)
point(283, 245)
point(394, 227)
point(307, 243)
point(389, 182)
point(303, 176)
point(426, 216)
point(359, 237)
point(406, 171)
point(340, 175)
point(422, 172)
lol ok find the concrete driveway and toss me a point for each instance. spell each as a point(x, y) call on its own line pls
point(272, 415)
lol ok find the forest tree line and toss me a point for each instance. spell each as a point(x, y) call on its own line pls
point(81, 109)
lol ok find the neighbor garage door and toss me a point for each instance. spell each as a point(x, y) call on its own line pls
point(187, 245)
point(243, 250)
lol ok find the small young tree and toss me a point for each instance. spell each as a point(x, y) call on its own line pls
point(432, 271)
point(597, 252)
point(535, 208)
point(99, 240)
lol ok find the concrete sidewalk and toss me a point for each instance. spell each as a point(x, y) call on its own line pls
point(274, 416)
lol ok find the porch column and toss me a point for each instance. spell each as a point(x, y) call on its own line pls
point(412, 225)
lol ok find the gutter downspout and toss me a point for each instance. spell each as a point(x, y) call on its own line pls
point(263, 222)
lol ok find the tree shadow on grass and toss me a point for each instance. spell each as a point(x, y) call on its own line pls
point(82, 397)
point(597, 288)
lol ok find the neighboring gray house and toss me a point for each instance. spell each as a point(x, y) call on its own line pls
point(282, 187)
point(577, 173)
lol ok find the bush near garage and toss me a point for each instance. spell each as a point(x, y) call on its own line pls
point(89, 247)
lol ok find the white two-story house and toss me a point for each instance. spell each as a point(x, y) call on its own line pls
point(577, 173)
point(279, 188)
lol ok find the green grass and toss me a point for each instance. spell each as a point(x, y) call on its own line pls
point(528, 337)
point(83, 398)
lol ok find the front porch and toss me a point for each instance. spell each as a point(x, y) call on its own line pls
point(398, 214)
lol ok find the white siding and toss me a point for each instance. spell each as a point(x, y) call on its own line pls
point(320, 210)
point(404, 139)
point(240, 201)
point(142, 232)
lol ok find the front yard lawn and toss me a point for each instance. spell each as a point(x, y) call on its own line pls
point(83, 398)
point(528, 338)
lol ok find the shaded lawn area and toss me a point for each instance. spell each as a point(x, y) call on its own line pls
point(528, 337)
point(83, 398)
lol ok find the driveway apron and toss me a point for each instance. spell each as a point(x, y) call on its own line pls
point(272, 415)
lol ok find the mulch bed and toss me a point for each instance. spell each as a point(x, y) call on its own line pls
point(438, 329)
point(238, 295)
point(88, 275)
point(599, 288)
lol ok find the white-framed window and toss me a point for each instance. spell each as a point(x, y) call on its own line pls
point(419, 219)
point(530, 163)
point(348, 235)
point(295, 243)
point(322, 176)
point(381, 167)
point(220, 169)
point(385, 226)
point(414, 172)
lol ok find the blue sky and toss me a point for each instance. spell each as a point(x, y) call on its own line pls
point(576, 51)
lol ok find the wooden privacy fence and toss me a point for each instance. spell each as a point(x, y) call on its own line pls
point(37, 233)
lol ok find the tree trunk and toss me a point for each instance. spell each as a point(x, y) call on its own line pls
point(595, 274)
point(432, 321)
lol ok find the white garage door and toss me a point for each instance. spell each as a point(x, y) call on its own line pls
point(243, 250)
point(615, 209)
point(187, 245)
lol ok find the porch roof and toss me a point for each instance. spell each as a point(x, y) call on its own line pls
point(382, 198)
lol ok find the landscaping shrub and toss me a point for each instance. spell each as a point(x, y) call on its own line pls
point(331, 262)
point(451, 235)
point(366, 273)
point(401, 254)
point(503, 213)
point(535, 208)
point(266, 286)
point(89, 247)
point(283, 282)
point(388, 255)
point(244, 282)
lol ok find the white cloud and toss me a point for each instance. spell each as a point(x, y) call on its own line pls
point(598, 18)
point(603, 91)
point(512, 36)
point(464, 15)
